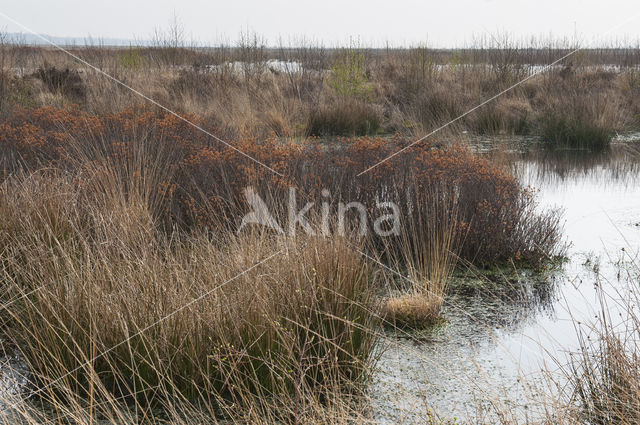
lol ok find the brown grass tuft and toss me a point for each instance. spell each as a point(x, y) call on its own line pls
point(413, 310)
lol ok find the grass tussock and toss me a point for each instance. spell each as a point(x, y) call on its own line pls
point(412, 310)
point(576, 130)
point(350, 118)
point(575, 133)
point(587, 115)
point(427, 249)
point(579, 122)
point(109, 307)
point(509, 116)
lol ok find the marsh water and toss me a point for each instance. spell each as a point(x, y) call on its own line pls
point(506, 334)
point(505, 331)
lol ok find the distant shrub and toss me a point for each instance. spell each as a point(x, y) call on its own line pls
point(434, 108)
point(130, 58)
point(507, 117)
point(419, 72)
point(66, 82)
point(16, 91)
point(22, 92)
point(192, 82)
point(349, 76)
point(568, 129)
point(345, 118)
point(631, 82)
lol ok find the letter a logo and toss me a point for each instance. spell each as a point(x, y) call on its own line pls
point(259, 212)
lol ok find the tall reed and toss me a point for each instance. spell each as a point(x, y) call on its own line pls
point(105, 304)
point(427, 251)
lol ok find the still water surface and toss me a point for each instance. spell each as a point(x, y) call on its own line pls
point(490, 352)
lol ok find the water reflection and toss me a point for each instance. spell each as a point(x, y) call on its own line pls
point(505, 300)
point(618, 165)
point(499, 337)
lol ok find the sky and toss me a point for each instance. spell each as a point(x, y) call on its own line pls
point(452, 23)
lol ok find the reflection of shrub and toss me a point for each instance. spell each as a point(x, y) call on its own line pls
point(67, 82)
point(346, 118)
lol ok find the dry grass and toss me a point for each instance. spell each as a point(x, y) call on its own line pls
point(334, 92)
point(427, 250)
point(116, 318)
point(414, 310)
point(605, 373)
point(130, 296)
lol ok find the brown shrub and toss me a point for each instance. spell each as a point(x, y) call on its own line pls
point(496, 215)
point(66, 82)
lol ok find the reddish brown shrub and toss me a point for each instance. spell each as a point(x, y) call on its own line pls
point(496, 215)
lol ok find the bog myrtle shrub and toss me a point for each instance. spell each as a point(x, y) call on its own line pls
point(497, 217)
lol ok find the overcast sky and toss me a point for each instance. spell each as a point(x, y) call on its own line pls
point(400, 22)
